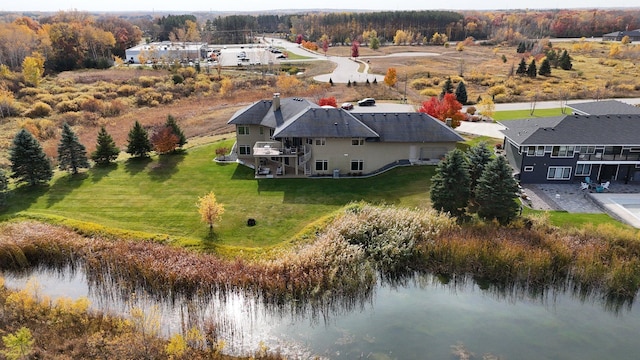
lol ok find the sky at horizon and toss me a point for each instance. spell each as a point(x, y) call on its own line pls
point(255, 5)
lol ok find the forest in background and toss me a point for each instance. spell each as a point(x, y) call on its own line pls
point(73, 39)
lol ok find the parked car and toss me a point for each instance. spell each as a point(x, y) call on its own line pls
point(347, 106)
point(367, 102)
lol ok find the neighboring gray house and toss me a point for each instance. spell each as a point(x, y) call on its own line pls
point(634, 35)
point(604, 107)
point(572, 147)
point(293, 136)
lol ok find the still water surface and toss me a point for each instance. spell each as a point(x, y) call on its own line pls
point(419, 319)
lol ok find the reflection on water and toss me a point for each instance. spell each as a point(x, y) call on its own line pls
point(416, 317)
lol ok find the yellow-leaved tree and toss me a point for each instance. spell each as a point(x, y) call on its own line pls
point(487, 107)
point(392, 77)
point(33, 68)
point(210, 209)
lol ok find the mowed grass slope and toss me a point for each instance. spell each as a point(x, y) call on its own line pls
point(158, 196)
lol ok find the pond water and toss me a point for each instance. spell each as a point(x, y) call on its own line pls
point(418, 319)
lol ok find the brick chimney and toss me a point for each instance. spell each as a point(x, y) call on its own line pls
point(276, 101)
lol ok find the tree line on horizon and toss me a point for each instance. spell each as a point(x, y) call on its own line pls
point(73, 39)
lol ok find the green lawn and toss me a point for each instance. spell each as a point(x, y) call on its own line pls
point(159, 195)
point(525, 114)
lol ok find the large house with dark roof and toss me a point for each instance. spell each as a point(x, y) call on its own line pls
point(571, 148)
point(603, 107)
point(634, 35)
point(292, 136)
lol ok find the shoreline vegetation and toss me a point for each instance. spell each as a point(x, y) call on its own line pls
point(339, 266)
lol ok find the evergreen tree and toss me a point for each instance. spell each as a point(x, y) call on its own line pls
point(447, 87)
point(545, 68)
point(478, 157)
point(450, 189)
point(4, 186)
point(565, 61)
point(496, 192)
point(106, 149)
point(138, 144)
point(171, 123)
point(28, 162)
point(552, 55)
point(461, 93)
point(330, 82)
point(532, 70)
point(522, 67)
point(72, 155)
point(521, 48)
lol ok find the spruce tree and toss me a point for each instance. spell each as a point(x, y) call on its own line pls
point(4, 186)
point(522, 67)
point(28, 162)
point(450, 189)
point(565, 61)
point(495, 192)
point(171, 123)
point(447, 87)
point(478, 157)
point(532, 70)
point(545, 68)
point(461, 93)
point(72, 155)
point(106, 149)
point(521, 48)
point(138, 144)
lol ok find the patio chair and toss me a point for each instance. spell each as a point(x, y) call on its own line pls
point(587, 180)
point(605, 185)
point(584, 186)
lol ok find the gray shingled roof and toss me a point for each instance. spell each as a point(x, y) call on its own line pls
point(408, 127)
point(576, 130)
point(605, 107)
point(623, 33)
point(252, 114)
point(262, 113)
point(302, 118)
point(324, 122)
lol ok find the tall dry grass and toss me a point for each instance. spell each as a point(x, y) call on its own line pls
point(339, 267)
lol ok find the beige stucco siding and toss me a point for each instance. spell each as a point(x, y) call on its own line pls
point(340, 153)
point(253, 136)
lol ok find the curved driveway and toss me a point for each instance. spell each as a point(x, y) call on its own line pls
point(346, 69)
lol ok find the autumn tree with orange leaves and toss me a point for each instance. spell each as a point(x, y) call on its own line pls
point(329, 101)
point(164, 140)
point(441, 109)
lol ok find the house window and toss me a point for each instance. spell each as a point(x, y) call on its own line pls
point(309, 141)
point(559, 173)
point(535, 151)
point(261, 130)
point(321, 142)
point(531, 150)
point(528, 168)
point(357, 141)
point(357, 165)
point(583, 169)
point(271, 131)
point(322, 165)
point(244, 149)
point(243, 130)
point(562, 151)
point(587, 149)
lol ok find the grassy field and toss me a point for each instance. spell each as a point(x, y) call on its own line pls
point(525, 114)
point(158, 196)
